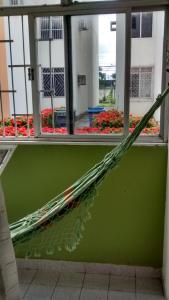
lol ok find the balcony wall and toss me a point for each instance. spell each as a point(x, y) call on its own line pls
point(128, 215)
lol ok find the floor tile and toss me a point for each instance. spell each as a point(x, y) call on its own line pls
point(93, 294)
point(73, 267)
point(96, 268)
point(114, 295)
point(23, 288)
point(66, 293)
point(71, 279)
point(124, 271)
point(26, 275)
point(149, 297)
point(39, 291)
point(148, 272)
point(122, 284)
point(148, 286)
point(95, 281)
point(44, 277)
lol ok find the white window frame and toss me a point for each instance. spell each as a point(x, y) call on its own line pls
point(104, 7)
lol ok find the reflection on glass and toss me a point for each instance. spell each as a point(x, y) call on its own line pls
point(98, 49)
point(146, 67)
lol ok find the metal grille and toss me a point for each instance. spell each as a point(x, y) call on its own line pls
point(15, 96)
point(53, 82)
point(145, 82)
point(141, 82)
point(51, 28)
point(134, 83)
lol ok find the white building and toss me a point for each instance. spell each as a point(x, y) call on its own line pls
point(146, 60)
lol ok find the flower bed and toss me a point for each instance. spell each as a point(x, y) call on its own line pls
point(112, 121)
point(109, 122)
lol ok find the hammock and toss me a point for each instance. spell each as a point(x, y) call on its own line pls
point(80, 193)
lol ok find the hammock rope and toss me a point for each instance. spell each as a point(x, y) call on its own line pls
point(82, 192)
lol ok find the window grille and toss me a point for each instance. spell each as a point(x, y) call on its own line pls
point(141, 83)
point(134, 83)
point(53, 82)
point(51, 28)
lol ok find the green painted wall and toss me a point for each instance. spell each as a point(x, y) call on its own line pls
point(128, 215)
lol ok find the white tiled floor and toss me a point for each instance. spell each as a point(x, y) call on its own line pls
point(51, 285)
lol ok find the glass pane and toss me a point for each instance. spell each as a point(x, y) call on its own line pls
point(146, 72)
point(98, 47)
point(146, 28)
point(135, 26)
point(15, 88)
point(50, 55)
point(27, 2)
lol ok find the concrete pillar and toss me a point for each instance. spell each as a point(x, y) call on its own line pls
point(9, 286)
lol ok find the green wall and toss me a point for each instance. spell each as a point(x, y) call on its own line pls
point(128, 214)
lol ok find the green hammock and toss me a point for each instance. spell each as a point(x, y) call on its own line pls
point(80, 192)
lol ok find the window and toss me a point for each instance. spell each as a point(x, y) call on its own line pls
point(142, 25)
point(113, 26)
point(146, 26)
point(16, 2)
point(81, 78)
point(51, 28)
point(53, 82)
point(134, 83)
point(141, 82)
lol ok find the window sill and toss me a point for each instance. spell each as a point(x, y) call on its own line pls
point(80, 140)
point(141, 100)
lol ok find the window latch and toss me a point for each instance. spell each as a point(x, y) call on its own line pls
point(30, 74)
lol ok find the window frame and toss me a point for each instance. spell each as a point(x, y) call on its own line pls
point(104, 7)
